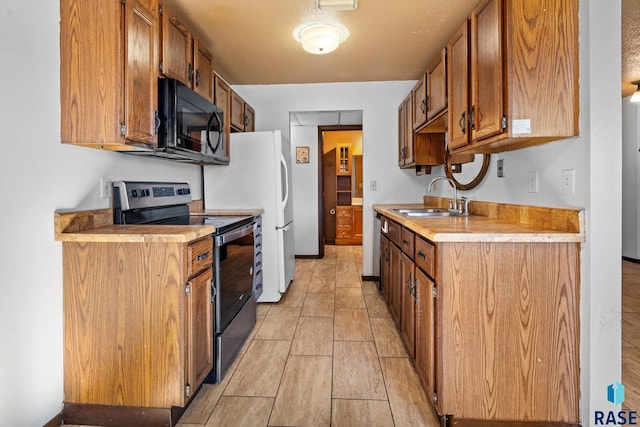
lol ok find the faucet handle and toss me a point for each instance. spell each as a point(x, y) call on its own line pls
point(464, 205)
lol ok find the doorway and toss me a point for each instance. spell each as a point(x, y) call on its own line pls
point(340, 175)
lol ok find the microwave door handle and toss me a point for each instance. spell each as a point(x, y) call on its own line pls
point(220, 131)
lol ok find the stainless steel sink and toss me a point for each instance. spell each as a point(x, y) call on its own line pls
point(426, 212)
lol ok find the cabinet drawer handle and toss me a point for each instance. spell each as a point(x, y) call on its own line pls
point(405, 242)
point(422, 256)
point(202, 256)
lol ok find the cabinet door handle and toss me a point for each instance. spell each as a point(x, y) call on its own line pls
point(385, 227)
point(197, 78)
point(423, 105)
point(422, 256)
point(472, 117)
point(156, 121)
point(190, 72)
point(461, 123)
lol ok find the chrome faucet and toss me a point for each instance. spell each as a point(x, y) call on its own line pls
point(453, 184)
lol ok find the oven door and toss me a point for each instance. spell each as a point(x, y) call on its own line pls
point(234, 265)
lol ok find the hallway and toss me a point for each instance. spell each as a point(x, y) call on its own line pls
point(631, 334)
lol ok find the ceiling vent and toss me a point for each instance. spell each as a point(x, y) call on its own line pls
point(334, 5)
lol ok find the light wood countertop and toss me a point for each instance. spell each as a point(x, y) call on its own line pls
point(97, 226)
point(493, 227)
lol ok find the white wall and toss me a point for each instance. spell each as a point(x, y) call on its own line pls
point(40, 175)
point(630, 179)
point(305, 177)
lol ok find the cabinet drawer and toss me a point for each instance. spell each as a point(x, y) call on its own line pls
point(425, 256)
point(343, 232)
point(393, 230)
point(408, 242)
point(343, 212)
point(200, 256)
point(343, 221)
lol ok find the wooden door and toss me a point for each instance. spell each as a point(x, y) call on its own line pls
point(458, 87)
point(140, 83)
point(425, 331)
point(199, 333)
point(175, 48)
point(203, 70)
point(329, 196)
point(420, 103)
point(408, 303)
point(487, 76)
point(437, 86)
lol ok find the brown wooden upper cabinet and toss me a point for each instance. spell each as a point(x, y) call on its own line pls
point(417, 149)
point(183, 57)
point(242, 114)
point(458, 87)
point(437, 87)
point(108, 100)
point(523, 76)
point(419, 94)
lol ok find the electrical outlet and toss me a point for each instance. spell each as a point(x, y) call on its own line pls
point(533, 182)
point(569, 181)
point(106, 189)
point(373, 186)
point(500, 168)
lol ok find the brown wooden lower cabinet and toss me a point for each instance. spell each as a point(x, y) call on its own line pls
point(138, 329)
point(495, 328)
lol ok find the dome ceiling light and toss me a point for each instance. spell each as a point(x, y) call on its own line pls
point(636, 95)
point(320, 38)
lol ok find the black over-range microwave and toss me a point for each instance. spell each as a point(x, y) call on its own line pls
point(191, 128)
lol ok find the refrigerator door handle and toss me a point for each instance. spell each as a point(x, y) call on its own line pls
point(284, 227)
point(285, 199)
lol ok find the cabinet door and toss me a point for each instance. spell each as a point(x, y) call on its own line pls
point(458, 87)
point(175, 49)
point(437, 86)
point(395, 283)
point(405, 126)
point(385, 267)
point(140, 83)
point(343, 159)
point(237, 112)
point(203, 70)
point(419, 103)
point(356, 222)
point(199, 333)
point(249, 118)
point(407, 274)
point(425, 331)
point(222, 93)
point(487, 77)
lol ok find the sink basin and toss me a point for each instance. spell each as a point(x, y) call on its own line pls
point(426, 212)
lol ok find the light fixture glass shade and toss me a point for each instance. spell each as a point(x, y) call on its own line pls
point(320, 38)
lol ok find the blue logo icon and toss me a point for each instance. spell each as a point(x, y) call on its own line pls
point(615, 393)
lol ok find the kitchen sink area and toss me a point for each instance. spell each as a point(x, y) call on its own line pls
point(428, 212)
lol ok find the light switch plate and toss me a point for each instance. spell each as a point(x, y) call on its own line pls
point(533, 182)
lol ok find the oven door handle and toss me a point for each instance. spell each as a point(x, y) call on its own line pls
point(234, 234)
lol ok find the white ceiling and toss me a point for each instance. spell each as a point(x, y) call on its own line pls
point(252, 40)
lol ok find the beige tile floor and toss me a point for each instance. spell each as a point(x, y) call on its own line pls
point(328, 354)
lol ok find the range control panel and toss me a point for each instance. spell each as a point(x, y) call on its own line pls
point(137, 194)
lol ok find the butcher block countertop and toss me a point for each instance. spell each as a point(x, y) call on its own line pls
point(492, 222)
point(97, 226)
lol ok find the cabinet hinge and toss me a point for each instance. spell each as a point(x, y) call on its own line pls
point(504, 122)
point(434, 292)
point(123, 2)
point(187, 289)
point(187, 390)
point(161, 66)
point(123, 129)
point(435, 397)
point(161, 9)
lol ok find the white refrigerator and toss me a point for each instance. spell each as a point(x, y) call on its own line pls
point(259, 176)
